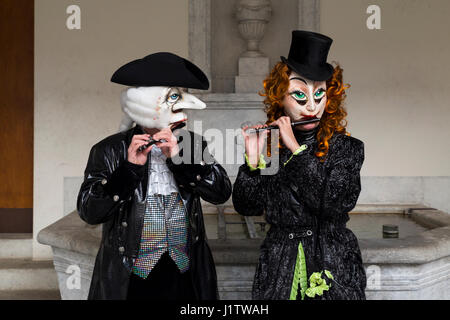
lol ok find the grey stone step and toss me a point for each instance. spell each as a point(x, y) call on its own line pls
point(16, 245)
point(30, 295)
point(26, 274)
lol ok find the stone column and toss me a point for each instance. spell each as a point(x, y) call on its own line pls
point(253, 16)
point(200, 37)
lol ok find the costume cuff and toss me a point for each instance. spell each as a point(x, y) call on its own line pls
point(296, 152)
point(261, 163)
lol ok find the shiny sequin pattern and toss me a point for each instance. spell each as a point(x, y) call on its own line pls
point(165, 221)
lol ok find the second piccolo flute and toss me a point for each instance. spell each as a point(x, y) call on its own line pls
point(177, 125)
point(293, 124)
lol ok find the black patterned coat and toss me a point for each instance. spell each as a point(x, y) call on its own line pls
point(307, 201)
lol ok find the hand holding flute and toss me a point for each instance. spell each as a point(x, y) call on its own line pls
point(153, 140)
point(293, 124)
point(142, 144)
point(286, 128)
point(134, 155)
point(254, 144)
point(287, 133)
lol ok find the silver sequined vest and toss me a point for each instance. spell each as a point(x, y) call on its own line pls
point(165, 219)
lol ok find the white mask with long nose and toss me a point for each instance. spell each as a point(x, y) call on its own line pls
point(156, 107)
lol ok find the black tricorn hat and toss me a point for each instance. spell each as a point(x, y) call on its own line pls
point(308, 55)
point(161, 69)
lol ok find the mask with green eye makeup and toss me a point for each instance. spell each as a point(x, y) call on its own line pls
point(304, 99)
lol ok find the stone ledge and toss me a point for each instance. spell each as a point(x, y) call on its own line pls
point(30, 295)
point(24, 263)
point(427, 246)
point(414, 277)
point(387, 208)
point(73, 234)
point(409, 268)
point(431, 219)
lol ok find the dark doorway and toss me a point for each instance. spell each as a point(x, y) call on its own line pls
point(16, 115)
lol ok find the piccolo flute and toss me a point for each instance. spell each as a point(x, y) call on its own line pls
point(293, 124)
point(151, 141)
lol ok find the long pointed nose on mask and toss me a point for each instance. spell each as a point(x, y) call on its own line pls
point(158, 107)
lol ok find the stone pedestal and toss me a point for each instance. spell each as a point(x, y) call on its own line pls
point(252, 16)
point(252, 72)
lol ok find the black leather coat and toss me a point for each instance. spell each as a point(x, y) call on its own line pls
point(106, 196)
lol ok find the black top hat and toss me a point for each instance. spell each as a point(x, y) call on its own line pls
point(161, 69)
point(308, 55)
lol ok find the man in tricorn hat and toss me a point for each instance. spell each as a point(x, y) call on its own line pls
point(308, 252)
point(144, 185)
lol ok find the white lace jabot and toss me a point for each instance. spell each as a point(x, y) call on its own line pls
point(161, 180)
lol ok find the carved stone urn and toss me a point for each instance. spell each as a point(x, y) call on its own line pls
point(253, 16)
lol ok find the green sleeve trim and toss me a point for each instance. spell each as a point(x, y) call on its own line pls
point(296, 152)
point(300, 276)
point(261, 163)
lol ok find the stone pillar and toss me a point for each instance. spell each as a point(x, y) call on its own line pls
point(253, 16)
point(200, 37)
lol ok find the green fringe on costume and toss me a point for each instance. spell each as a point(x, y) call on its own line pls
point(300, 275)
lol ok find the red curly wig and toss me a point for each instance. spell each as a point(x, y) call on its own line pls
point(333, 119)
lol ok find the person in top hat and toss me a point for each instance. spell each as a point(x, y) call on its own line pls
point(147, 196)
point(308, 253)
